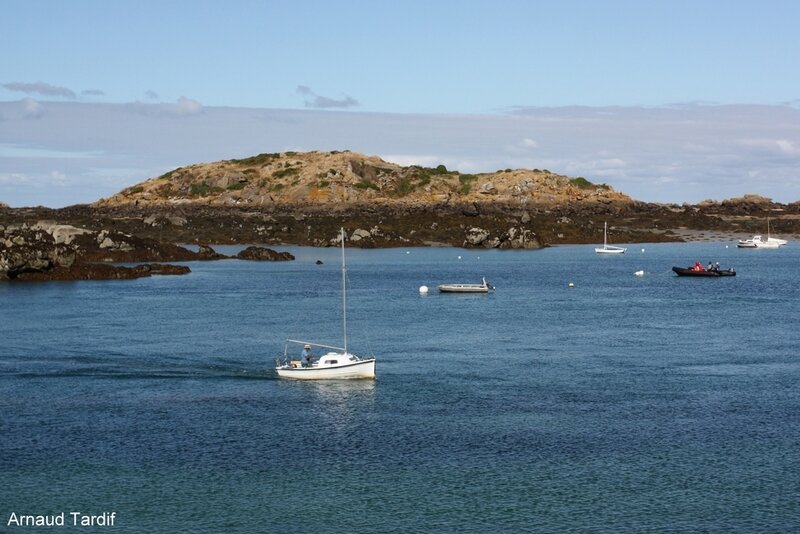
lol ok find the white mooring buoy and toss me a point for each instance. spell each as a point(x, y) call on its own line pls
point(423, 290)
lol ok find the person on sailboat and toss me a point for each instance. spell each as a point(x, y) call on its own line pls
point(307, 356)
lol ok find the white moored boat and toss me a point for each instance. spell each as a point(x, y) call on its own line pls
point(337, 364)
point(606, 248)
point(483, 287)
point(758, 241)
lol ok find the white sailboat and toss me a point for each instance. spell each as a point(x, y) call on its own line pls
point(606, 248)
point(338, 363)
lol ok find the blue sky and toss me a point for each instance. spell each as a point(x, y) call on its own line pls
point(724, 73)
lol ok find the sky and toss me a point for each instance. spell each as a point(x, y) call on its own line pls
point(674, 101)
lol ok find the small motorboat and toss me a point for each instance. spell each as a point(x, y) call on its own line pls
point(694, 271)
point(483, 287)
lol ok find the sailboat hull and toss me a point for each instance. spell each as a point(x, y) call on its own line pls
point(357, 370)
point(610, 250)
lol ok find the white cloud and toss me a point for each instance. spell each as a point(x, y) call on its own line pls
point(523, 147)
point(32, 108)
point(188, 106)
point(782, 146)
point(787, 146)
point(58, 178)
point(14, 179)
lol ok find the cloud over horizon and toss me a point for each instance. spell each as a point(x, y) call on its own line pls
point(669, 155)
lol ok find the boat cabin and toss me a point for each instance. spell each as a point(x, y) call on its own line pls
point(327, 360)
point(334, 358)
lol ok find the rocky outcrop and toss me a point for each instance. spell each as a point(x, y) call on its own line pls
point(23, 250)
point(50, 251)
point(263, 254)
point(102, 271)
point(514, 237)
point(46, 250)
point(205, 252)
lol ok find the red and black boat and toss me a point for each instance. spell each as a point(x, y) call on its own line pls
point(697, 270)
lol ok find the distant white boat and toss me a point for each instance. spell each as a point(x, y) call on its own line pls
point(758, 241)
point(336, 364)
point(483, 287)
point(606, 248)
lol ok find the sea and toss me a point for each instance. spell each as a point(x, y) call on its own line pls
point(578, 397)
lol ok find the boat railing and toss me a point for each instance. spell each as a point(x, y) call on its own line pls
point(299, 342)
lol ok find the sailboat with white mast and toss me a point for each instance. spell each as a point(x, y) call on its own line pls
point(338, 363)
point(606, 248)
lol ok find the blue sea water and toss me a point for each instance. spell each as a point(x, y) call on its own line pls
point(623, 404)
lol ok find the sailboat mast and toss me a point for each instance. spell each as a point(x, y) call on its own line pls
point(344, 297)
point(605, 234)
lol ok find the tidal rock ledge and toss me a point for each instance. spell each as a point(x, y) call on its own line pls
point(47, 250)
point(50, 251)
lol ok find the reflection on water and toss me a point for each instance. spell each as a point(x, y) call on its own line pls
point(340, 403)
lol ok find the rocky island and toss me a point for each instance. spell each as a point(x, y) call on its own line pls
point(303, 198)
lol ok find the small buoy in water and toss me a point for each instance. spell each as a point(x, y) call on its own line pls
point(639, 273)
point(726, 246)
point(423, 290)
point(459, 257)
point(408, 252)
point(570, 285)
point(642, 250)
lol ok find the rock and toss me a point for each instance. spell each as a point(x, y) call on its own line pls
point(360, 234)
point(205, 252)
point(475, 237)
point(263, 254)
point(161, 268)
point(488, 189)
point(470, 210)
point(62, 233)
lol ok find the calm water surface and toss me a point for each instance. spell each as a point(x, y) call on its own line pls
point(625, 403)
